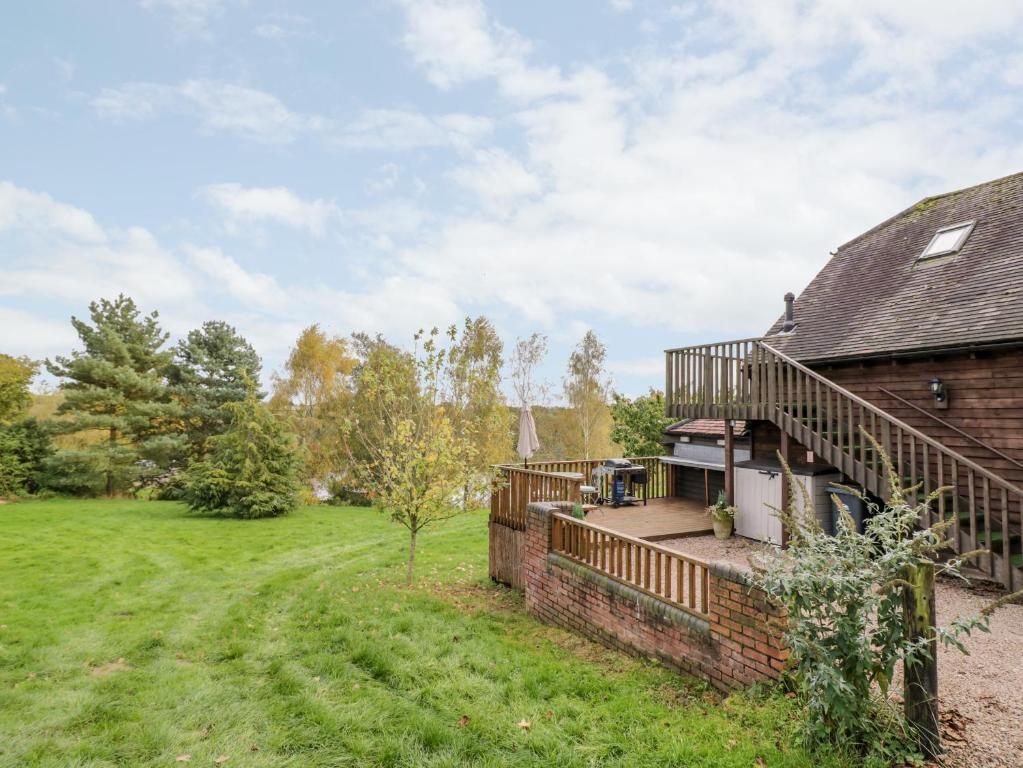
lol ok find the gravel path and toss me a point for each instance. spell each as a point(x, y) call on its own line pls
point(980, 695)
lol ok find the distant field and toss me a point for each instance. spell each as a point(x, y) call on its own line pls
point(132, 634)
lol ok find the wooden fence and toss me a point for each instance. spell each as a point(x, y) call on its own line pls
point(663, 573)
point(561, 481)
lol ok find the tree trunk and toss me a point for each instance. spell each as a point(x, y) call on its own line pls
point(110, 469)
point(413, 532)
point(921, 679)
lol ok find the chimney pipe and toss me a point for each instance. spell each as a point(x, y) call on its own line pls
point(790, 322)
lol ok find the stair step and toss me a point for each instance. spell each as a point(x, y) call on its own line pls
point(997, 537)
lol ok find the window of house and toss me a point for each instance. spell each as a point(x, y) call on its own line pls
point(948, 240)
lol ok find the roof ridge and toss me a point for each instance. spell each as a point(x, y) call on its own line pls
point(922, 201)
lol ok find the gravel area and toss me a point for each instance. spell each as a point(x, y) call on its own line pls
point(980, 695)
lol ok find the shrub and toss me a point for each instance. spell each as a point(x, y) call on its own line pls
point(252, 468)
point(24, 447)
point(846, 627)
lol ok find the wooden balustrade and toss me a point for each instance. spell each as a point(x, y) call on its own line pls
point(519, 485)
point(748, 379)
point(658, 571)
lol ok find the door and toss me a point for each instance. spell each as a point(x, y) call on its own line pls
point(756, 492)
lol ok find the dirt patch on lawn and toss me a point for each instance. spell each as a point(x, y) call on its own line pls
point(110, 668)
point(476, 597)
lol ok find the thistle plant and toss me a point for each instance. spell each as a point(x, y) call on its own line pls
point(846, 624)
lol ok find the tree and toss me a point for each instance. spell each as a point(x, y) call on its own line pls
point(638, 425)
point(252, 468)
point(213, 365)
point(116, 385)
point(586, 389)
point(313, 392)
point(16, 374)
point(401, 442)
point(477, 408)
point(525, 359)
point(24, 445)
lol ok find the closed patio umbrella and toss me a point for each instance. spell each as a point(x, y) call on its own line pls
point(528, 442)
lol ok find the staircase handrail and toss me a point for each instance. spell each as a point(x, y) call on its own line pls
point(882, 414)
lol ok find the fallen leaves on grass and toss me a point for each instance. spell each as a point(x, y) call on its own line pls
point(182, 758)
point(525, 725)
point(463, 721)
point(221, 760)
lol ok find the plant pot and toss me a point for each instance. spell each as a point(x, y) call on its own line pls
point(722, 528)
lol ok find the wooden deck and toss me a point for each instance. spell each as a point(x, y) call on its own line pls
point(660, 519)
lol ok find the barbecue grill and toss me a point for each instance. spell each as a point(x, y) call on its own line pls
point(618, 480)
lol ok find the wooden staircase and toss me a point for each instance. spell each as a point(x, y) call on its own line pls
point(748, 379)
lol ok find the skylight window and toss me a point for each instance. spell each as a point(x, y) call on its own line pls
point(948, 240)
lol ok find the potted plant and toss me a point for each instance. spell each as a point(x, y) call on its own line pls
point(722, 515)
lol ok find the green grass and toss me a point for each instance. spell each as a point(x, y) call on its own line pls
point(132, 633)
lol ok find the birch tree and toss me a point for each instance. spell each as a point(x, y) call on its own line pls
point(587, 388)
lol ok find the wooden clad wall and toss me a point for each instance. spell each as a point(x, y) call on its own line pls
point(985, 400)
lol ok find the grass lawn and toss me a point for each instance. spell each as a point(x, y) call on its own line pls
point(133, 634)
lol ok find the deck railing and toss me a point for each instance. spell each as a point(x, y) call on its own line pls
point(748, 379)
point(518, 485)
point(663, 573)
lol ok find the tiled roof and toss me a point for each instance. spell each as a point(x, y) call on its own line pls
point(873, 298)
point(710, 427)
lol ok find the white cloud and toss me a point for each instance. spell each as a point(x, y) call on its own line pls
point(26, 210)
point(693, 194)
point(622, 5)
point(283, 26)
point(219, 106)
point(497, 179)
point(253, 289)
point(190, 17)
point(455, 42)
point(57, 255)
point(255, 115)
point(399, 130)
point(24, 333)
point(276, 204)
point(65, 67)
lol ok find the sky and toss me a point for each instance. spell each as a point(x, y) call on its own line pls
point(659, 172)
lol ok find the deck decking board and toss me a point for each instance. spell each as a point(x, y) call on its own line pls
point(660, 519)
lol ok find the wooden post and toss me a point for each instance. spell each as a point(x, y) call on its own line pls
point(729, 463)
point(921, 679)
point(785, 489)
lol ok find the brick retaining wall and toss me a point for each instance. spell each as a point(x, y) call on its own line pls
point(736, 644)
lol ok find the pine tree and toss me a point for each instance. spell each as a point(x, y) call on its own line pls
point(115, 386)
point(213, 365)
point(252, 468)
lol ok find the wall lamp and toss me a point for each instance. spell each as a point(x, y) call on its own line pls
point(937, 387)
